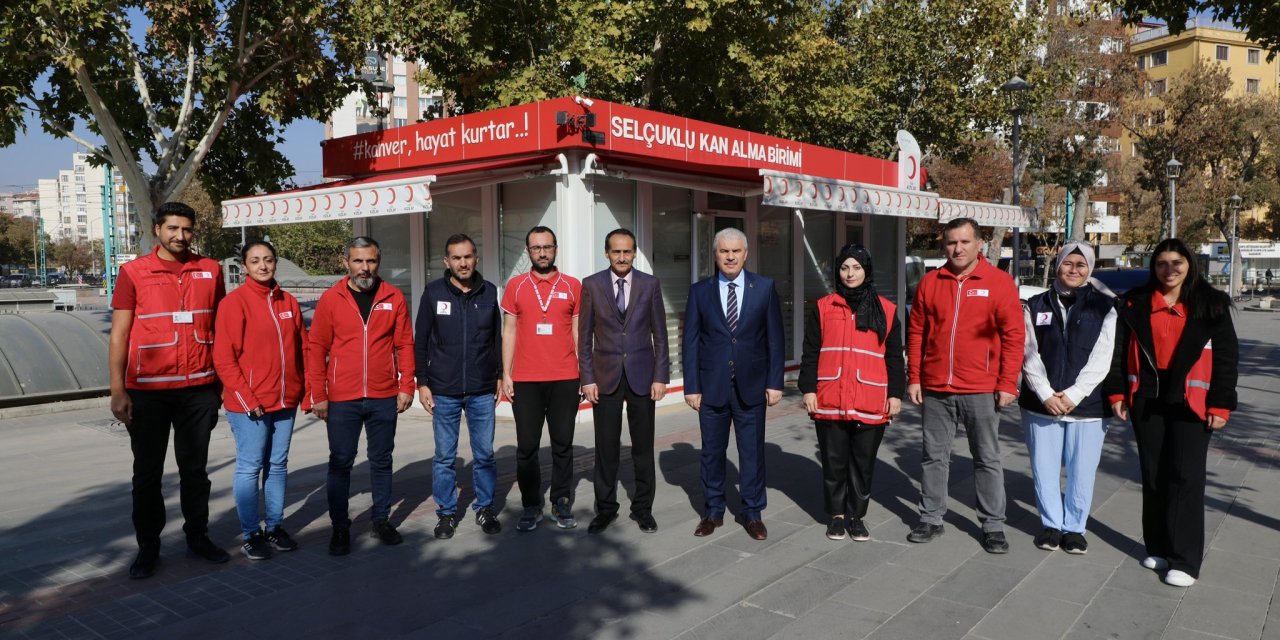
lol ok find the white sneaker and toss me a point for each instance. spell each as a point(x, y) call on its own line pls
point(1178, 579)
point(1155, 564)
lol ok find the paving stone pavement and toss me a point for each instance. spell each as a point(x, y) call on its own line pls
point(66, 542)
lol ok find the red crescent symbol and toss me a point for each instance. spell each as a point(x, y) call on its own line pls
point(313, 203)
point(409, 189)
point(273, 207)
point(375, 198)
point(813, 190)
point(343, 205)
point(786, 187)
point(827, 191)
point(897, 199)
point(877, 198)
point(393, 195)
point(328, 202)
point(768, 184)
point(840, 190)
point(866, 197)
point(299, 201)
point(359, 199)
point(259, 208)
point(911, 173)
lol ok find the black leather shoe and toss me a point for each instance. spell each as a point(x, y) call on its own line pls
point(144, 566)
point(707, 526)
point(601, 522)
point(645, 521)
point(386, 532)
point(340, 542)
point(925, 532)
point(994, 542)
point(205, 548)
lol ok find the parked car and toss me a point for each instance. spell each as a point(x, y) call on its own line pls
point(55, 278)
point(1122, 280)
point(16, 281)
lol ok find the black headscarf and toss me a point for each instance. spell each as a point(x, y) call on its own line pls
point(864, 301)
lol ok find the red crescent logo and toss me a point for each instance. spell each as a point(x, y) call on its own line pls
point(813, 190)
point(273, 207)
point(393, 195)
point(313, 203)
point(343, 204)
point(359, 199)
point(768, 184)
point(408, 190)
point(328, 202)
point(911, 173)
point(375, 198)
point(299, 201)
point(877, 198)
point(259, 208)
point(786, 187)
point(826, 191)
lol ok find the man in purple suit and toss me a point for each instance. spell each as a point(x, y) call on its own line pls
point(623, 358)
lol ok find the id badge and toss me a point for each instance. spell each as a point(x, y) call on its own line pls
point(544, 328)
point(182, 317)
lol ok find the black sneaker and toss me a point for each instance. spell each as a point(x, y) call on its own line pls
point(257, 547)
point(205, 548)
point(446, 526)
point(386, 532)
point(488, 521)
point(994, 542)
point(925, 532)
point(562, 512)
point(144, 566)
point(1075, 544)
point(836, 529)
point(340, 542)
point(281, 540)
point(529, 519)
point(1049, 539)
point(858, 530)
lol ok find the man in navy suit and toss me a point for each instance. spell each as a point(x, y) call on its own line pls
point(733, 357)
point(623, 357)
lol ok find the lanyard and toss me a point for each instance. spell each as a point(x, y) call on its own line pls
point(550, 296)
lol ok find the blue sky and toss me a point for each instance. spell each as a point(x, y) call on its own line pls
point(38, 155)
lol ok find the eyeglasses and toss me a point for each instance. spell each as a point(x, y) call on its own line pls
point(546, 248)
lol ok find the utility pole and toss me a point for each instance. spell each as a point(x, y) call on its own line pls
point(109, 232)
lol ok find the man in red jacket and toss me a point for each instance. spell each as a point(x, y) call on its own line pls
point(360, 375)
point(161, 363)
point(964, 353)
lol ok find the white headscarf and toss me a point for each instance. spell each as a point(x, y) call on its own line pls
point(1073, 246)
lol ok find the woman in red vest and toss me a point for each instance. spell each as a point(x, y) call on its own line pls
point(258, 351)
point(1174, 375)
point(852, 376)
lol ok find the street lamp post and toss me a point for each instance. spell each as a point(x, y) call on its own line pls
point(1232, 286)
point(1015, 89)
point(1173, 171)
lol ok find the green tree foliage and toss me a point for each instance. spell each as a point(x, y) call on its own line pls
point(846, 75)
point(316, 247)
point(17, 235)
point(1259, 18)
point(169, 86)
point(74, 257)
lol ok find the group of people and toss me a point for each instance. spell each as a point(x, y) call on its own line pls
point(181, 347)
point(1164, 357)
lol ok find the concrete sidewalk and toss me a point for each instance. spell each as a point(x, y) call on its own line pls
point(66, 542)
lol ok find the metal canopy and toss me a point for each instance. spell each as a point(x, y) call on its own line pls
point(407, 195)
point(824, 194)
point(990, 214)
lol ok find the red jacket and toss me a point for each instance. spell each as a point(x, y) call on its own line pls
point(259, 349)
point(966, 335)
point(348, 359)
point(853, 379)
point(171, 342)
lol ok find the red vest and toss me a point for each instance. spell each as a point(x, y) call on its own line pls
point(171, 342)
point(853, 383)
point(1195, 389)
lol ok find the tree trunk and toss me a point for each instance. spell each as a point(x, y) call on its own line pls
point(1081, 217)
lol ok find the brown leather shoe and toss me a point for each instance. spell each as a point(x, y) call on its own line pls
point(707, 526)
point(755, 529)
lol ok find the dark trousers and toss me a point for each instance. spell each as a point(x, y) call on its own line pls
point(191, 413)
point(608, 425)
point(556, 404)
point(747, 422)
point(377, 417)
point(1173, 448)
point(847, 450)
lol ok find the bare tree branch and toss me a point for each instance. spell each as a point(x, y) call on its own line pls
point(140, 81)
point(183, 126)
point(53, 124)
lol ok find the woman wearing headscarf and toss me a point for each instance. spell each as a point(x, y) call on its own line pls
point(852, 376)
point(1070, 338)
point(1173, 373)
point(258, 350)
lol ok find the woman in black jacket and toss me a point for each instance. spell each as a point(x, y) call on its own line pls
point(1174, 374)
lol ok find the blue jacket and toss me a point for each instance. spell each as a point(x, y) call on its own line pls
point(750, 359)
point(458, 338)
point(1065, 345)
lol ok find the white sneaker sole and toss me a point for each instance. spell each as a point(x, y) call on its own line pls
point(1177, 578)
point(1155, 564)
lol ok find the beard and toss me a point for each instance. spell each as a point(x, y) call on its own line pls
point(364, 284)
point(551, 266)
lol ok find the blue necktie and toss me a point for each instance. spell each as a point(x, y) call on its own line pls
point(732, 314)
point(621, 298)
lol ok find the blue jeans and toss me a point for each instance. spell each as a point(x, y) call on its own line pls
point(1053, 445)
point(444, 485)
point(377, 416)
point(262, 453)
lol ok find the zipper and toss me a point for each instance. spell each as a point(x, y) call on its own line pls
point(1150, 357)
point(463, 308)
point(280, 341)
point(955, 322)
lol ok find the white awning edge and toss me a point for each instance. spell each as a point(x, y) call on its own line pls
point(990, 214)
point(407, 195)
point(825, 194)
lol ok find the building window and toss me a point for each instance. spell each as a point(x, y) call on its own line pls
point(399, 122)
point(1142, 62)
point(1255, 56)
point(400, 101)
point(1158, 87)
point(1222, 52)
point(1252, 85)
point(80, 178)
point(399, 79)
point(1160, 58)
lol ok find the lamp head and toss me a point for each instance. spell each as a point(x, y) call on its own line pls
point(1235, 201)
point(1173, 169)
